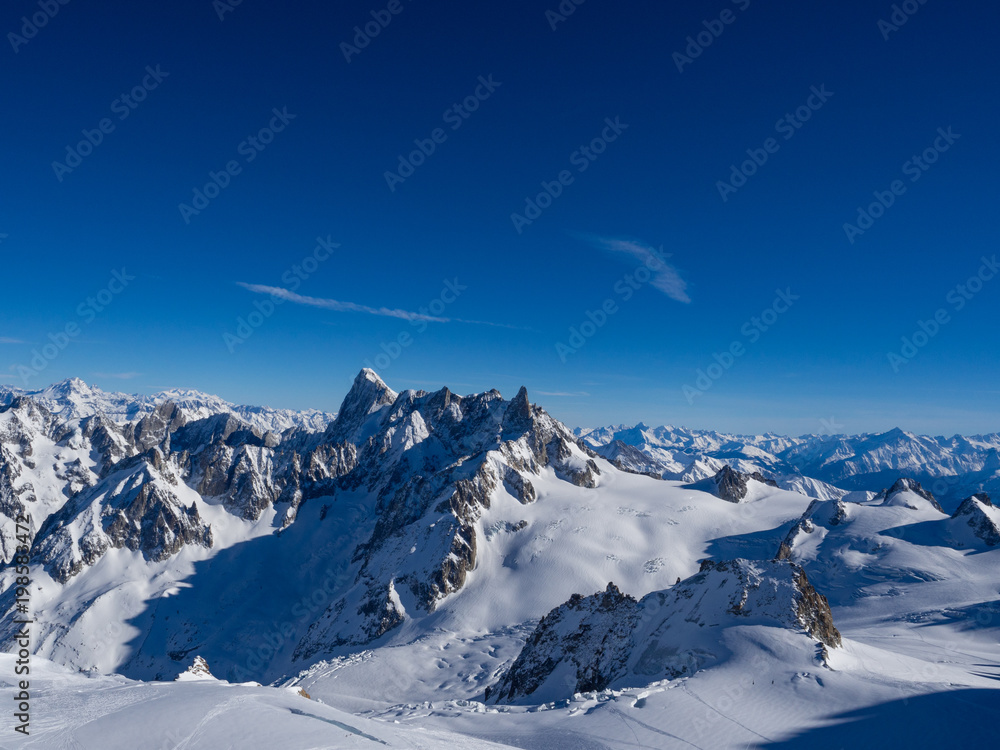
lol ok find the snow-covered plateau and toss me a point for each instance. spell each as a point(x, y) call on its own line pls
point(428, 570)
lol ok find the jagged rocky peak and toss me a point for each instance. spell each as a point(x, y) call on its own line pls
point(980, 498)
point(66, 388)
point(981, 516)
point(135, 507)
point(434, 461)
point(903, 485)
point(610, 640)
point(368, 395)
point(216, 431)
point(826, 513)
point(196, 672)
point(777, 591)
point(587, 638)
point(731, 485)
point(155, 428)
point(29, 416)
point(518, 417)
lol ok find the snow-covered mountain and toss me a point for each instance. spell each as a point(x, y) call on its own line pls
point(421, 561)
point(822, 466)
point(412, 471)
point(610, 639)
point(74, 399)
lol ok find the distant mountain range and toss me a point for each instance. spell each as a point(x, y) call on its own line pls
point(824, 466)
point(73, 399)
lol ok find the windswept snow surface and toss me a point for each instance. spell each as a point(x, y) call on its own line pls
point(71, 711)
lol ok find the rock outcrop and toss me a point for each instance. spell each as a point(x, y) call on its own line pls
point(903, 485)
point(731, 485)
point(609, 639)
point(981, 516)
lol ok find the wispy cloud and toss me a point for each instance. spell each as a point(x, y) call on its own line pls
point(665, 277)
point(341, 306)
point(562, 393)
point(118, 375)
point(338, 305)
point(5, 340)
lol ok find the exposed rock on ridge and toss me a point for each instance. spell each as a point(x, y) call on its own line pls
point(610, 639)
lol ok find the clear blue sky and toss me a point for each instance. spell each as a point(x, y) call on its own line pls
point(656, 185)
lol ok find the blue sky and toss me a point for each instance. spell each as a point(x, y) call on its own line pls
point(503, 294)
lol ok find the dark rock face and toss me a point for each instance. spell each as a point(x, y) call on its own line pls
point(983, 525)
point(590, 633)
point(137, 510)
point(109, 445)
point(826, 512)
point(905, 484)
point(732, 485)
point(966, 506)
point(155, 525)
point(814, 613)
point(155, 428)
point(368, 395)
point(591, 643)
point(811, 608)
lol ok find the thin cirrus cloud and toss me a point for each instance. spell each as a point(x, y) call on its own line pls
point(6, 340)
point(665, 277)
point(338, 305)
point(118, 375)
point(341, 306)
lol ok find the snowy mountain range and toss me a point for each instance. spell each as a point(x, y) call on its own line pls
point(823, 466)
point(74, 399)
point(466, 571)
